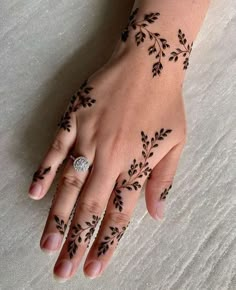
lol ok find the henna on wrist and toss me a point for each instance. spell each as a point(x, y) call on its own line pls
point(159, 44)
point(185, 51)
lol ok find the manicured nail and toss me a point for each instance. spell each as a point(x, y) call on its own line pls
point(93, 269)
point(35, 190)
point(52, 242)
point(160, 208)
point(62, 270)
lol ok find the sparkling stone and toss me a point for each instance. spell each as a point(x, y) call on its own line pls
point(81, 164)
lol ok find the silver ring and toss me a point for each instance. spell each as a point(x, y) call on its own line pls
point(80, 163)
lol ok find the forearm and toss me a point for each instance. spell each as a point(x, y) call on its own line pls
point(161, 34)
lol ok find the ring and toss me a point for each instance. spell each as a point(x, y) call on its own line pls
point(80, 163)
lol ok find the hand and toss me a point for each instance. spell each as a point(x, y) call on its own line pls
point(131, 127)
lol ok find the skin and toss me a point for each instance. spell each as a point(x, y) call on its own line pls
point(132, 110)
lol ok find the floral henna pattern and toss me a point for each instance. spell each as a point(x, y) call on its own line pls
point(185, 51)
point(39, 174)
point(60, 225)
point(81, 99)
point(77, 230)
point(139, 169)
point(109, 240)
point(165, 192)
point(159, 44)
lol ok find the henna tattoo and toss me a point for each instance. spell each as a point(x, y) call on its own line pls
point(109, 240)
point(76, 238)
point(60, 165)
point(139, 169)
point(165, 192)
point(78, 100)
point(61, 225)
point(39, 174)
point(185, 52)
point(159, 44)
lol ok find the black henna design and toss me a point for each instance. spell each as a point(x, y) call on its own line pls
point(77, 230)
point(185, 52)
point(159, 44)
point(39, 174)
point(80, 99)
point(109, 240)
point(60, 165)
point(165, 192)
point(53, 199)
point(139, 169)
point(60, 224)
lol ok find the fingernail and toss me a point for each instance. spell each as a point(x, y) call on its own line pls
point(59, 279)
point(62, 270)
point(52, 242)
point(93, 269)
point(160, 208)
point(35, 190)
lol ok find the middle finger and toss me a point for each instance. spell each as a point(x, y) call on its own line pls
point(91, 204)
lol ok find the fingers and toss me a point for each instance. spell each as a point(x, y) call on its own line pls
point(91, 204)
point(161, 180)
point(114, 224)
point(125, 191)
point(70, 185)
point(57, 152)
point(64, 201)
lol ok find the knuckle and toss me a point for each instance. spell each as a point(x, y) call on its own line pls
point(91, 206)
point(57, 145)
point(72, 181)
point(119, 218)
point(165, 179)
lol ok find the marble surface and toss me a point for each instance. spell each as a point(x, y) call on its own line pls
point(46, 49)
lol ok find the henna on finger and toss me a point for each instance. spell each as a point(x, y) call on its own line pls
point(40, 173)
point(159, 44)
point(185, 51)
point(139, 169)
point(81, 99)
point(165, 192)
point(116, 234)
point(60, 224)
point(76, 238)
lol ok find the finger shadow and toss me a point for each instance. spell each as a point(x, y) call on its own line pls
point(56, 92)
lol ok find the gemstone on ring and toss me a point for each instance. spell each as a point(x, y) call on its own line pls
point(81, 163)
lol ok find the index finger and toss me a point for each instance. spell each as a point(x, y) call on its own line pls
point(58, 151)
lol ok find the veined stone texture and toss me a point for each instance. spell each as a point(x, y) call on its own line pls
point(47, 48)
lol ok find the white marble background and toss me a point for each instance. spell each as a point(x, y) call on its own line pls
point(46, 49)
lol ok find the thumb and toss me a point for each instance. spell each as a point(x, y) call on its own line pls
point(160, 181)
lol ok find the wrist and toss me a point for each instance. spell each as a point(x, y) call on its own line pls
point(137, 61)
point(153, 48)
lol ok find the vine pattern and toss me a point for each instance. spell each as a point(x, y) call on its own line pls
point(185, 51)
point(139, 169)
point(60, 224)
point(40, 174)
point(159, 44)
point(165, 192)
point(116, 234)
point(80, 99)
point(77, 230)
